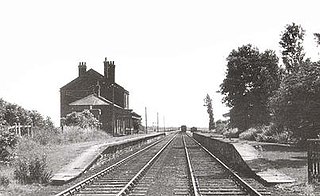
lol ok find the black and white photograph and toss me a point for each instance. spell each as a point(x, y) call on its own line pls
point(159, 98)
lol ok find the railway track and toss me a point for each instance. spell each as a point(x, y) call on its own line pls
point(213, 177)
point(175, 166)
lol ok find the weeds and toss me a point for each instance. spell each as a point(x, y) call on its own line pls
point(32, 169)
point(4, 181)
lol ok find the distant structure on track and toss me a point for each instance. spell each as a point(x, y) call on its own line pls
point(107, 100)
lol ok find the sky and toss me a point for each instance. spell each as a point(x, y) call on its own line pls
point(169, 54)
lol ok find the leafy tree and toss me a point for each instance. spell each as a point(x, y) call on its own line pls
point(295, 105)
point(2, 112)
point(317, 38)
point(251, 78)
point(36, 118)
point(208, 104)
point(292, 47)
point(10, 114)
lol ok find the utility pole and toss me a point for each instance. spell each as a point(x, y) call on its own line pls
point(145, 112)
point(164, 125)
point(157, 122)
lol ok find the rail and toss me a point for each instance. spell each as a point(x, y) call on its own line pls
point(193, 180)
point(138, 175)
point(88, 180)
point(236, 177)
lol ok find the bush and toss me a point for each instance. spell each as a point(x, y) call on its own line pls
point(45, 136)
point(283, 137)
point(8, 141)
point(83, 119)
point(232, 133)
point(73, 134)
point(4, 181)
point(32, 169)
point(249, 134)
point(221, 126)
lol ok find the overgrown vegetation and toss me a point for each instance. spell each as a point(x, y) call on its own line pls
point(32, 169)
point(7, 143)
point(24, 158)
point(82, 119)
point(11, 114)
point(269, 101)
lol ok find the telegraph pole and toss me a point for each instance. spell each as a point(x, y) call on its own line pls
point(164, 125)
point(157, 122)
point(145, 112)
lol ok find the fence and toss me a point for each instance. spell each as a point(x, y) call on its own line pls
point(313, 160)
point(22, 130)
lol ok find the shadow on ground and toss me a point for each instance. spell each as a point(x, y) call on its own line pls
point(286, 163)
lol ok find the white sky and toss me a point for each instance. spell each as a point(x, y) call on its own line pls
point(169, 54)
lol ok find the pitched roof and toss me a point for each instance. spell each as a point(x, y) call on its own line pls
point(93, 74)
point(91, 100)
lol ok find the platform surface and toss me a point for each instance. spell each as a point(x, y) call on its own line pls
point(256, 161)
point(81, 163)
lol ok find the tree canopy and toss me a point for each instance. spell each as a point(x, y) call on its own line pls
point(296, 104)
point(11, 114)
point(250, 80)
point(292, 46)
point(208, 104)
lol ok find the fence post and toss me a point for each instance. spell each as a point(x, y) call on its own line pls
point(313, 160)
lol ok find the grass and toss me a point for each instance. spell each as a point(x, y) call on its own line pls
point(292, 162)
point(59, 148)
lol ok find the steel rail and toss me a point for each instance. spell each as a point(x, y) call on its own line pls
point(243, 184)
point(193, 180)
point(88, 180)
point(131, 183)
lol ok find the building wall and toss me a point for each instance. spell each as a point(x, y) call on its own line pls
point(91, 82)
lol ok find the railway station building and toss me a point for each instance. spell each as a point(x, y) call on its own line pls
point(102, 96)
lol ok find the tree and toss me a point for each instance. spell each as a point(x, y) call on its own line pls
point(251, 78)
point(317, 38)
point(208, 104)
point(295, 105)
point(2, 112)
point(292, 47)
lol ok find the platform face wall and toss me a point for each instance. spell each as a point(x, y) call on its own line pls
point(226, 152)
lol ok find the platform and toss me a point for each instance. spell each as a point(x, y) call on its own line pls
point(255, 161)
point(83, 162)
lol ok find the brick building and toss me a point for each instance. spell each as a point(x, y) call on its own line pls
point(107, 100)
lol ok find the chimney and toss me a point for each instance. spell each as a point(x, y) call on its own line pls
point(82, 69)
point(109, 71)
point(106, 68)
point(97, 89)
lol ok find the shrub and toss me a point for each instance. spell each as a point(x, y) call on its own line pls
point(232, 133)
point(4, 181)
point(82, 119)
point(8, 141)
point(283, 137)
point(45, 136)
point(72, 134)
point(32, 169)
point(221, 126)
point(249, 134)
